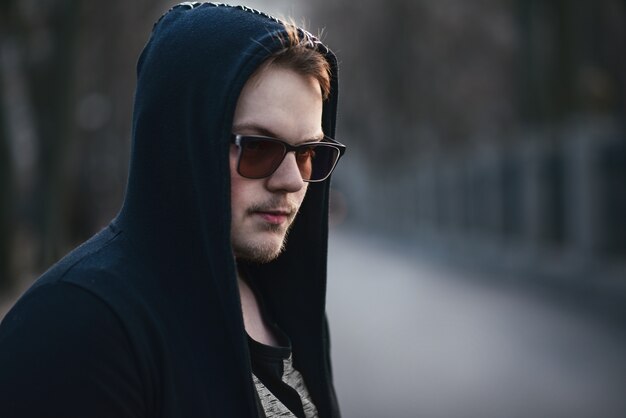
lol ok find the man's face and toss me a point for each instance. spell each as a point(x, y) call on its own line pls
point(283, 104)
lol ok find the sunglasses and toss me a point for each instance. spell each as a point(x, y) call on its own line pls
point(260, 156)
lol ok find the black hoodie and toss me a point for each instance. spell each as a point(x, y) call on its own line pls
point(144, 319)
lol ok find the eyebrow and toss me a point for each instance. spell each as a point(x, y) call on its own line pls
point(260, 130)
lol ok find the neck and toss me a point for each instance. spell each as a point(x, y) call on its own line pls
point(253, 320)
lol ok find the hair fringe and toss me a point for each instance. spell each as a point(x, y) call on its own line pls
point(300, 52)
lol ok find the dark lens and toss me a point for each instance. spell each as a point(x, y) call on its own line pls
point(305, 156)
point(260, 157)
point(317, 161)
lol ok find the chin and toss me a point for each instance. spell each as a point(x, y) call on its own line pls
point(259, 251)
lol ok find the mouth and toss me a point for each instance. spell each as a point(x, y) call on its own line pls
point(274, 216)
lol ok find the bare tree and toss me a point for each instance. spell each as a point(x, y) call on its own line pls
point(66, 86)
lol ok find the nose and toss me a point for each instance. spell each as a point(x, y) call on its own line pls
point(287, 176)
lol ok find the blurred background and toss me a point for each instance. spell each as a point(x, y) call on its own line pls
point(478, 246)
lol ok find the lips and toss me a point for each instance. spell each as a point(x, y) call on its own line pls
point(273, 216)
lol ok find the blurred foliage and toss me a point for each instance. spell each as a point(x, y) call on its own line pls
point(486, 125)
point(67, 77)
point(449, 73)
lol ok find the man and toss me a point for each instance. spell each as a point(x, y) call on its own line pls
point(192, 302)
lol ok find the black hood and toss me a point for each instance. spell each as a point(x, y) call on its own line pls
point(176, 213)
point(144, 319)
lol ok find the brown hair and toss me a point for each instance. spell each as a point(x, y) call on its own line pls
point(299, 53)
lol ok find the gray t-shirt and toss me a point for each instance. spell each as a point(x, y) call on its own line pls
point(281, 388)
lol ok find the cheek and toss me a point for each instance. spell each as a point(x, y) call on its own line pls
point(235, 185)
point(234, 193)
point(301, 194)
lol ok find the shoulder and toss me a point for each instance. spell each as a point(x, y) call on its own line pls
point(65, 352)
point(61, 311)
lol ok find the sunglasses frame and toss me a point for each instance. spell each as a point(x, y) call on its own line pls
point(238, 140)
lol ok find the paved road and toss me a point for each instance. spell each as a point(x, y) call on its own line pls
point(411, 339)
